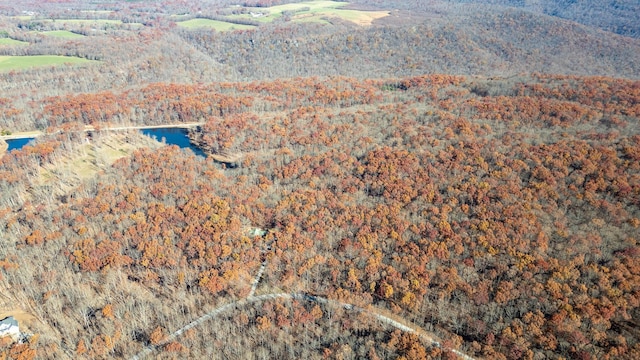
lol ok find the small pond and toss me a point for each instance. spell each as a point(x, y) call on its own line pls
point(17, 144)
point(173, 136)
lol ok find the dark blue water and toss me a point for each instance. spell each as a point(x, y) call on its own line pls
point(173, 136)
point(17, 144)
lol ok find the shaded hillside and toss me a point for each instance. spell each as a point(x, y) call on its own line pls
point(463, 40)
point(620, 17)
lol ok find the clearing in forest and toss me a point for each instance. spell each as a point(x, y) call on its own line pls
point(8, 63)
point(10, 41)
point(312, 11)
point(74, 21)
point(87, 21)
point(65, 34)
point(90, 158)
point(214, 24)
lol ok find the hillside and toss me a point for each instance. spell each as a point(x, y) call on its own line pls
point(462, 39)
point(500, 216)
point(620, 17)
point(384, 180)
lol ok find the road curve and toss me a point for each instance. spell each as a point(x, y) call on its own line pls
point(414, 329)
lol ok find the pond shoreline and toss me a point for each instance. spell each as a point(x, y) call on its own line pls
point(174, 136)
point(90, 128)
point(181, 135)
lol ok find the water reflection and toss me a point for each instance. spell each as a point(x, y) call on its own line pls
point(173, 136)
point(17, 144)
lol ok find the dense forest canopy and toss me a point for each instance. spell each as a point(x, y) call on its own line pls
point(384, 180)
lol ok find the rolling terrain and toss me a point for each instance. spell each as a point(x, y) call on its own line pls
point(384, 180)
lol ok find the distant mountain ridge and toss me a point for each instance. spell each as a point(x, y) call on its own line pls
point(618, 16)
point(458, 39)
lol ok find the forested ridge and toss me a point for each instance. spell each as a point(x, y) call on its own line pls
point(480, 189)
point(149, 46)
point(507, 233)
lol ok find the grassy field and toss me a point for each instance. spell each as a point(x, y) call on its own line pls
point(85, 21)
point(262, 19)
point(72, 21)
point(310, 18)
point(359, 17)
point(314, 6)
point(62, 34)
point(314, 11)
point(87, 160)
point(214, 24)
point(9, 41)
point(8, 63)
point(96, 23)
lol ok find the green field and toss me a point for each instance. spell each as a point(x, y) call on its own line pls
point(313, 11)
point(9, 41)
point(62, 34)
point(357, 16)
point(8, 63)
point(314, 18)
point(314, 6)
point(85, 21)
point(214, 24)
point(263, 19)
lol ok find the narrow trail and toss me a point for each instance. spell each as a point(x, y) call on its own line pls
point(256, 281)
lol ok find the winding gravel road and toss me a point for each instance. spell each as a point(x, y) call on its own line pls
point(297, 296)
point(252, 298)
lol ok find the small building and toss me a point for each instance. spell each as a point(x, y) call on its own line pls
point(257, 232)
point(9, 327)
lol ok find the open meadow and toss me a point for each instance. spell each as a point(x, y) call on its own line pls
point(8, 63)
point(11, 42)
point(63, 34)
point(213, 24)
point(310, 11)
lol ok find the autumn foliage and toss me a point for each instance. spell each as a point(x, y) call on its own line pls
point(502, 215)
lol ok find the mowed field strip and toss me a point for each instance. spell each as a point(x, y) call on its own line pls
point(214, 24)
point(65, 34)
point(8, 63)
point(10, 42)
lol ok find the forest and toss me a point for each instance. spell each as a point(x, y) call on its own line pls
point(399, 190)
